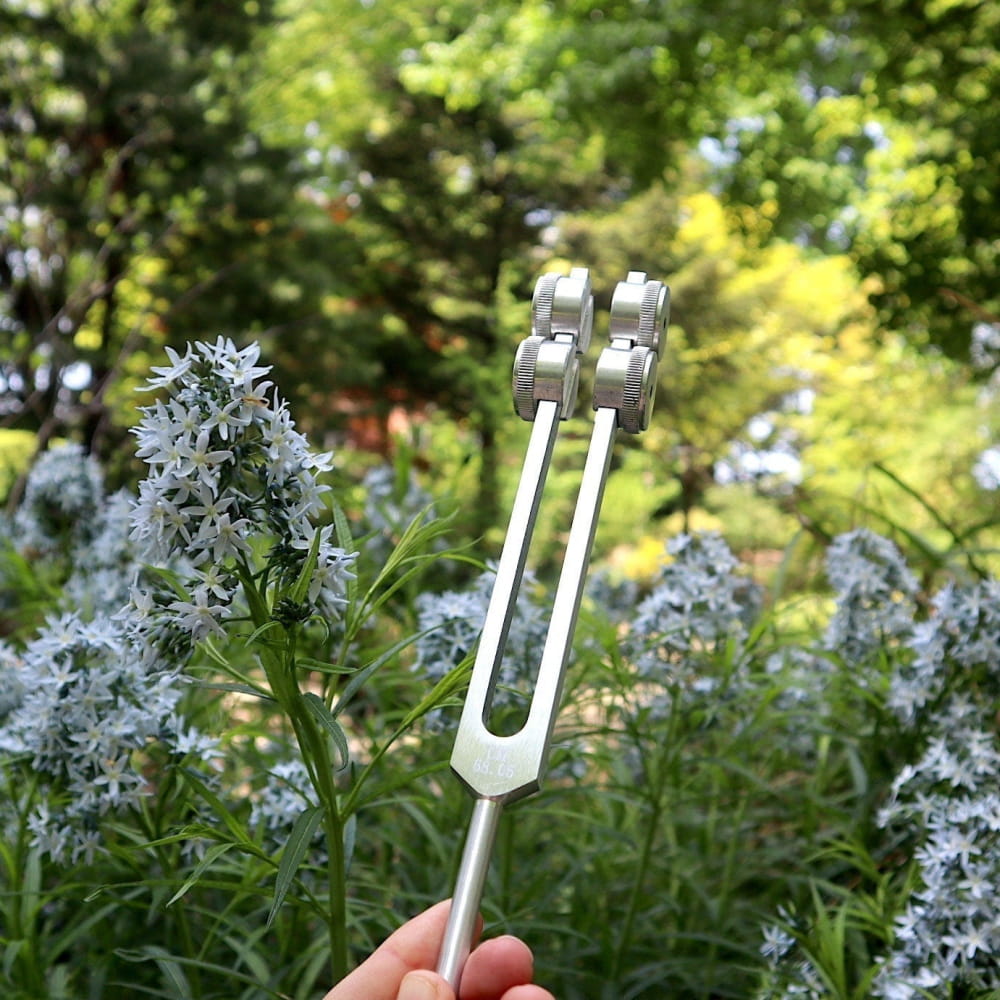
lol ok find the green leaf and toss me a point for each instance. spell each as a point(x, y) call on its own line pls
point(322, 715)
point(262, 630)
point(400, 780)
point(300, 588)
point(361, 676)
point(295, 849)
point(343, 529)
point(154, 953)
point(350, 838)
point(11, 950)
point(346, 541)
point(232, 824)
point(79, 931)
point(30, 889)
point(170, 578)
point(171, 969)
point(211, 855)
point(322, 666)
point(247, 689)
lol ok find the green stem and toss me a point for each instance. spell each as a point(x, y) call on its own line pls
point(281, 671)
point(168, 862)
point(337, 907)
point(316, 754)
point(632, 907)
point(656, 805)
point(22, 919)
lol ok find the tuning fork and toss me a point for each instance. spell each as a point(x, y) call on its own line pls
point(496, 769)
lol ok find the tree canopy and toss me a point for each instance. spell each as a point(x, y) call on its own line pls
point(372, 188)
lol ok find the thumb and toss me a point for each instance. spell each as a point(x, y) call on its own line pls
point(424, 986)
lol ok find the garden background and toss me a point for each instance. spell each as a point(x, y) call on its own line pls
point(225, 762)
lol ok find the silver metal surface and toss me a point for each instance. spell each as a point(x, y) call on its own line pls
point(572, 310)
point(639, 311)
point(501, 769)
point(537, 731)
point(500, 610)
point(547, 363)
point(464, 911)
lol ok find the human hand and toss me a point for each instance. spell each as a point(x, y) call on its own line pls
point(499, 969)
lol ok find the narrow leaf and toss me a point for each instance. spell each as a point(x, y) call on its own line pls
point(211, 855)
point(232, 824)
point(298, 843)
point(346, 541)
point(321, 666)
point(343, 529)
point(322, 715)
point(361, 676)
point(350, 837)
point(301, 587)
point(235, 688)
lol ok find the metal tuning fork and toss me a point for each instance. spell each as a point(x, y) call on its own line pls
point(502, 769)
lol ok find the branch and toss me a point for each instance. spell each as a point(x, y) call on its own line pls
point(984, 315)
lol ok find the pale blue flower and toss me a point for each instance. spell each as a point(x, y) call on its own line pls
point(450, 624)
point(230, 481)
point(91, 702)
point(63, 494)
point(696, 619)
point(876, 596)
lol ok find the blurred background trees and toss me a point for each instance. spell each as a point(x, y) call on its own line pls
point(371, 188)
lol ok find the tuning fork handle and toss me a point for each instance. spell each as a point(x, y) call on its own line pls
point(464, 913)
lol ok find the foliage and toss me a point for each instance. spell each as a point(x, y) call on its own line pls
point(377, 209)
point(714, 770)
point(138, 204)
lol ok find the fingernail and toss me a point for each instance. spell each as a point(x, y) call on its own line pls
point(416, 986)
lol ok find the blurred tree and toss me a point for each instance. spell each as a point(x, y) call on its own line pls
point(373, 188)
point(464, 137)
point(748, 325)
point(891, 440)
point(138, 207)
point(868, 128)
point(872, 128)
point(446, 189)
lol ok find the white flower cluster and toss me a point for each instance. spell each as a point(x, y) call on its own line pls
point(62, 498)
point(875, 596)
point(278, 804)
point(616, 597)
point(11, 681)
point(945, 683)
point(67, 524)
point(786, 975)
point(958, 645)
point(82, 701)
point(104, 568)
point(949, 934)
point(228, 474)
point(699, 607)
point(87, 706)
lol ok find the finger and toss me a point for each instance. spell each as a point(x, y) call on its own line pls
point(527, 993)
point(414, 946)
point(425, 986)
point(495, 967)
